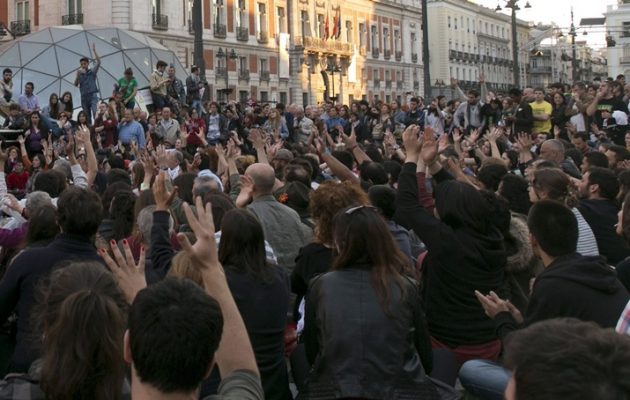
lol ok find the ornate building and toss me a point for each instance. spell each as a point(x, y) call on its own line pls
point(290, 51)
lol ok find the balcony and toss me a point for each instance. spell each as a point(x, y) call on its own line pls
point(242, 34)
point(625, 60)
point(399, 85)
point(159, 22)
point(375, 52)
point(190, 27)
point(540, 70)
point(387, 54)
point(317, 45)
point(416, 85)
point(243, 75)
point(377, 82)
point(21, 28)
point(264, 76)
point(388, 85)
point(398, 55)
point(220, 72)
point(262, 38)
point(220, 31)
point(72, 19)
point(414, 57)
point(459, 55)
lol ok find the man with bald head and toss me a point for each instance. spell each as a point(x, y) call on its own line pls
point(553, 150)
point(282, 226)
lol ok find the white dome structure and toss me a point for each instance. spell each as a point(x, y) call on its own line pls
point(50, 58)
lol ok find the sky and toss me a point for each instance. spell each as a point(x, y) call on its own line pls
point(559, 11)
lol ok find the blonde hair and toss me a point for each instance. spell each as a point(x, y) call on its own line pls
point(182, 267)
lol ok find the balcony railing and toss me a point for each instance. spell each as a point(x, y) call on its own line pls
point(262, 37)
point(242, 34)
point(243, 74)
point(314, 44)
point(414, 57)
point(264, 76)
point(377, 82)
point(220, 72)
point(72, 19)
point(375, 52)
point(220, 31)
point(21, 28)
point(159, 22)
point(398, 55)
point(387, 54)
point(416, 85)
point(541, 70)
point(399, 84)
point(388, 84)
point(190, 27)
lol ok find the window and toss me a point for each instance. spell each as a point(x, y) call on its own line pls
point(413, 42)
point(349, 32)
point(374, 37)
point(388, 75)
point(362, 35)
point(263, 65)
point(242, 63)
point(21, 10)
point(76, 7)
point(305, 99)
point(306, 24)
point(321, 26)
point(385, 39)
point(262, 18)
point(217, 8)
point(625, 29)
point(467, 24)
point(283, 97)
point(242, 96)
point(455, 20)
point(264, 96)
point(241, 14)
point(397, 40)
point(280, 20)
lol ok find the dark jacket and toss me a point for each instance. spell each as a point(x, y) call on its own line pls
point(312, 260)
point(356, 349)
point(601, 215)
point(523, 118)
point(573, 286)
point(460, 261)
point(18, 287)
point(415, 118)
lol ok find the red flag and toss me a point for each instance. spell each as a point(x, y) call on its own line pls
point(326, 31)
point(335, 31)
point(338, 22)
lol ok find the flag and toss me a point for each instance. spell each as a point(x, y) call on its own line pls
point(326, 31)
point(338, 22)
point(335, 31)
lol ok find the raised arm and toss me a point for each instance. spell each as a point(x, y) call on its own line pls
point(83, 136)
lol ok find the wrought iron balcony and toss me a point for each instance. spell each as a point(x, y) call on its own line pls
point(220, 31)
point(220, 72)
point(414, 57)
point(21, 28)
point(416, 85)
point(398, 55)
point(452, 54)
point(377, 82)
point(72, 19)
point(159, 22)
point(388, 84)
point(399, 84)
point(323, 46)
point(264, 76)
point(243, 74)
point(191, 30)
point(375, 52)
point(263, 38)
point(387, 54)
point(242, 34)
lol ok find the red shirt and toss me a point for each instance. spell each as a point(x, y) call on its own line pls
point(17, 181)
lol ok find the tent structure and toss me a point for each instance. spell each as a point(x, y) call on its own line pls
point(50, 58)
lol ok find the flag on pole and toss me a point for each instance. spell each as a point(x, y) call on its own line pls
point(326, 30)
point(335, 30)
point(338, 22)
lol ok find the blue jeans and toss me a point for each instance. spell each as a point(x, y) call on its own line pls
point(51, 126)
point(89, 103)
point(196, 104)
point(484, 379)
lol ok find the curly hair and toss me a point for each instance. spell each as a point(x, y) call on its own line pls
point(327, 200)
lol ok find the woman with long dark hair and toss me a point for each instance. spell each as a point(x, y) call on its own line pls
point(560, 115)
point(80, 319)
point(66, 103)
point(35, 135)
point(365, 333)
point(53, 108)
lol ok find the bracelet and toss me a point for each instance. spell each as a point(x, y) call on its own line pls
point(145, 186)
point(353, 147)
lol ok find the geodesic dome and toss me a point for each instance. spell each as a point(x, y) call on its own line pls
point(50, 58)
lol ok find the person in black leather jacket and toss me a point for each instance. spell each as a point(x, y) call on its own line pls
point(365, 332)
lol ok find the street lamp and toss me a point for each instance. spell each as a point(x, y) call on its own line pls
point(573, 34)
point(440, 84)
point(331, 69)
point(513, 4)
point(228, 56)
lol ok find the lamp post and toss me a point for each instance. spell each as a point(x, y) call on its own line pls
point(228, 56)
point(513, 4)
point(440, 84)
point(331, 69)
point(573, 34)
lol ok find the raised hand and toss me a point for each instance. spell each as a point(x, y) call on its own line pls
point(457, 135)
point(411, 141)
point(429, 150)
point(163, 197)
point(493, 135)
point(257, 138)
point(525, 140)
point(129, 275)
point(443, 143)
point(204, 252)
point(474, 136)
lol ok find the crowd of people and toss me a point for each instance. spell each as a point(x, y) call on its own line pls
point(375, 250)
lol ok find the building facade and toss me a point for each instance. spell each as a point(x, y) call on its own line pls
point(618, 29)
point(467, 39)
point(289, 51)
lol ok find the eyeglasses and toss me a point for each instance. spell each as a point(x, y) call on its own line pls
point(352, 210)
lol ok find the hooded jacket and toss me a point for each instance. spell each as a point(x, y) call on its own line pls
point(573, 286)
